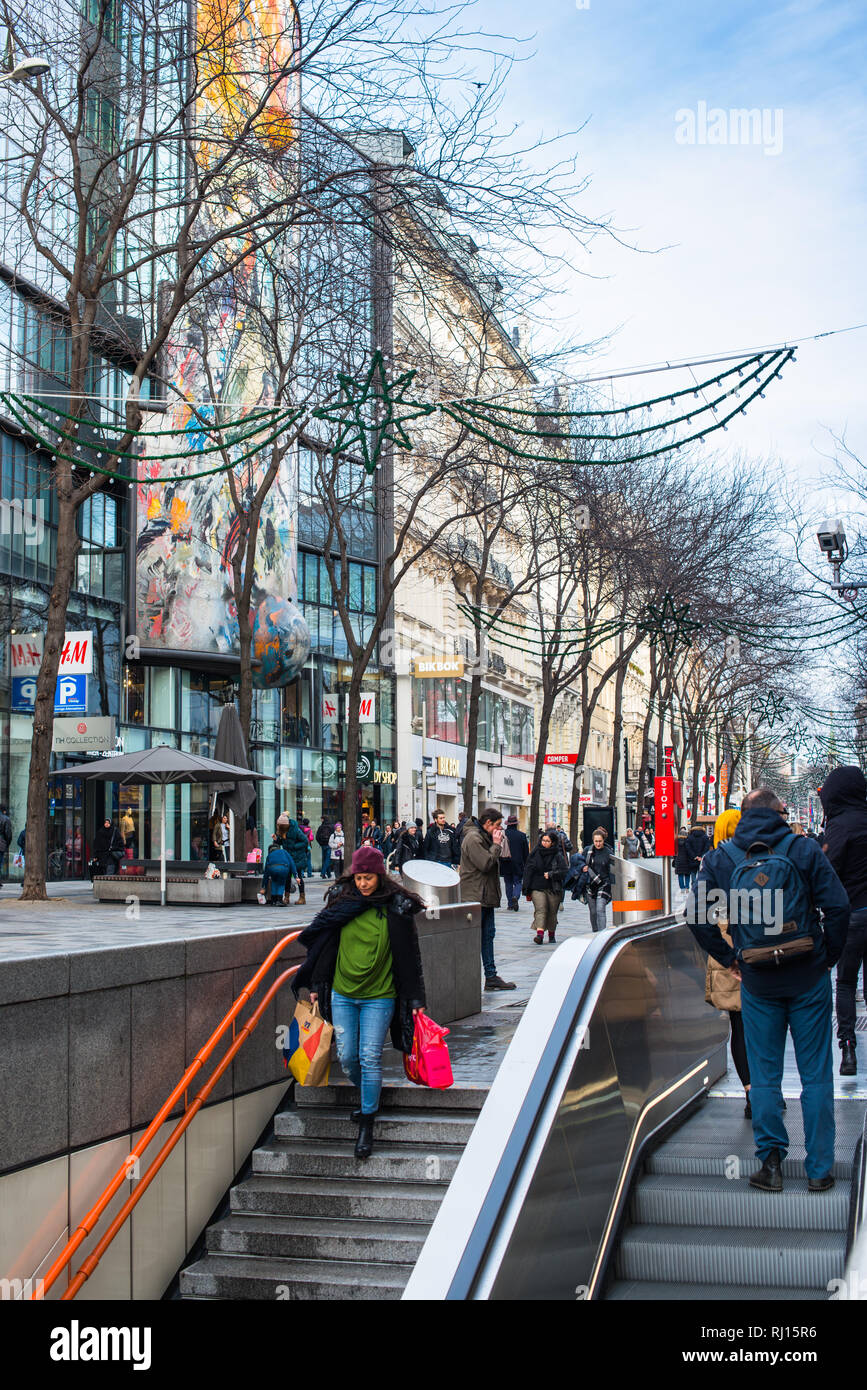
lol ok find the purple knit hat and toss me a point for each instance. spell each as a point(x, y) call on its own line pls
point(367, 860)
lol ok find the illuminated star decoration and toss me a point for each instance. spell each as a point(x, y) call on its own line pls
point(798, 735)
point(383, 402)
point(667, 623)
point(769, 709)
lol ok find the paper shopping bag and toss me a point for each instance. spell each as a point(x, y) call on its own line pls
point(307, 1051)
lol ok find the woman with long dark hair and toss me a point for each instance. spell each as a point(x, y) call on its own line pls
point(544, 873)
point(363, 967)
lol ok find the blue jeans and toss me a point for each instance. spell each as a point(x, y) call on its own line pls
point(326, 862)
point(683, 881)
point(360, 1028)
point(765, 1024)
point(598, 911)
point(276, 881)
point(489, 931)
point(512, 884)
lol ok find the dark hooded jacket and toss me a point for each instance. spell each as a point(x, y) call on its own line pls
point(322, 939)
point(545, 861)
point(761, 824)
point(844, 798)
point(698, 842)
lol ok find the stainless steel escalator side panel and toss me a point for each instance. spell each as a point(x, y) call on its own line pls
point(618, 1040)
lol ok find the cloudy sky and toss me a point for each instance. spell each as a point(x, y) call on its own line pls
point(765, 239)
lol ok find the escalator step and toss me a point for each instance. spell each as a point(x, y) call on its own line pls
point(711, 1160)
point(711, 1201)
point(630, 1290)
point(764, 1258)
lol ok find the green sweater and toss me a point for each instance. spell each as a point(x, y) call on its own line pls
point(364, 969)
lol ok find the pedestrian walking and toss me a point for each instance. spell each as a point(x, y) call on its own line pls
point(5, 837)
point(307, 831)
point(277, 873)
point(645, 840)
point(336, 843)
point(440, 844)
point(596, 878)
point(215, 839)
point(683, 861)
point(544, 874)
point(721, 989)
point(785, 981)
point(844, 799)
point(409, 846)
point(481, 848)
point(631, 844)
point(697, 844)
point(297, 846)
point(323, 835)
point(108, 847)
point(364, 971)
point(513, 864)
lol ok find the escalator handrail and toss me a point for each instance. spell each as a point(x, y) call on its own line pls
point(88, 1223)
point(587, 979)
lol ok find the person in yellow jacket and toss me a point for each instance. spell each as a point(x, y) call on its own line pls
point(721, 989)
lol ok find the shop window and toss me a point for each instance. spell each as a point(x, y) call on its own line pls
point(134, 710)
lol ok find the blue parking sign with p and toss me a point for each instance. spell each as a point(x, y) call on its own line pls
point(70, 694)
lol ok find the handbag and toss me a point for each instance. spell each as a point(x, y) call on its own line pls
point(429, 1064)
point(307, 1049)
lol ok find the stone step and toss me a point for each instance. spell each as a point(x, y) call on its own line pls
point(319, 1238)
point(396, 1126)
point(406, 1097)
point(339, 1197)
point(275, 1280)
point(317, 1158)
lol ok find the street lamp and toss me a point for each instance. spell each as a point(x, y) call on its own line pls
point(28, 67)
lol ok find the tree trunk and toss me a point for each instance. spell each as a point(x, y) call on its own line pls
point(36, 824)
point(541, 750)
point(618, 736)
point(472, 741)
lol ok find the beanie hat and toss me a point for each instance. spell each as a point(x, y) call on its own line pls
point(725, 826)
point(367, 860)
point(282, 819)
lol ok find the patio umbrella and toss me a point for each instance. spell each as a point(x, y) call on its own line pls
point(161, 766)
point(230, 748)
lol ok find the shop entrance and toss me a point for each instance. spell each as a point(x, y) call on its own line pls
point(69, 834)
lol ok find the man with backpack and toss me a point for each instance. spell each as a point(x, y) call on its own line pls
point(771, 885)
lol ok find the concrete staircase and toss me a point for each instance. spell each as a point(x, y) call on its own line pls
point(312, 1222)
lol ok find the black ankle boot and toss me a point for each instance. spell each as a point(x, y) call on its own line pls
point(849, 1059)
point(769, 1178)
point(364, 1143)
point(355, 1115)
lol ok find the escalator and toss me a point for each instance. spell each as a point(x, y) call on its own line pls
point(601, 1168)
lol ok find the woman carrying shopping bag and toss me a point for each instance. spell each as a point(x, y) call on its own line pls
point(544, 874)
point(363, 968)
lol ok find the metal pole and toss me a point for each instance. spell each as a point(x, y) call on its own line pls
point(162, 845)
point(666, 886)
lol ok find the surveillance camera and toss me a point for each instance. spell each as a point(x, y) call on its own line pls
point(832, 539)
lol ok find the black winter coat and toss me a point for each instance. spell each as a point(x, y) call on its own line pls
point(844, 798)
point(407, 847)
point(541, 861)
point(684, 861)
point(105, 840)
point(519, 852)
point(598, 862)
point(698, 843)
point(322, 939)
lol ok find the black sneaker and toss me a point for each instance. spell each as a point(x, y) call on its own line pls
point(769, 1178)
point(820, 1184)
point(494, 982)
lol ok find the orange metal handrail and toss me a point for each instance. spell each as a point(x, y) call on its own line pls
point(87, 1225)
